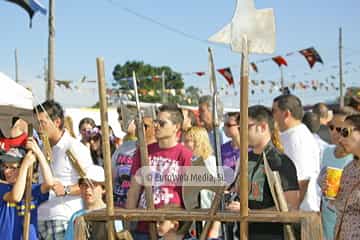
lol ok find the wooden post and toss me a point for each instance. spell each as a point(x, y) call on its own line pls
point(144, 157)
point(244, 98)
point(218, 199)
point(28, 188)
point(51, 52)
point(106, 146)
point(341, 70)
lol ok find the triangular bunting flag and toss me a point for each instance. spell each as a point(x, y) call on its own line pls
point(311, 56)
point(226, 72)
point(279, 60)
point(200, 73)
point(254, 67)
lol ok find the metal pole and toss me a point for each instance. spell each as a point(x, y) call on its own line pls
point(106, 146)
point(51, 52)
point(163, 98)
point(341, 70)
point(16, 66)
point(244, 102)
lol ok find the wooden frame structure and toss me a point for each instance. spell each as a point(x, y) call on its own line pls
point(309, 221)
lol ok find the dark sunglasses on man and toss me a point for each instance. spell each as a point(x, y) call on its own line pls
point(347, 131)
point(160, 123)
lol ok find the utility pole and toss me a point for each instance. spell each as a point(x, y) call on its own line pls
point(163, 97)
point(16, 66)
point(51, 52)
point(341, 70)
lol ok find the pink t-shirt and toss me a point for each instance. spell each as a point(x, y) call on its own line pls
point(166, 162)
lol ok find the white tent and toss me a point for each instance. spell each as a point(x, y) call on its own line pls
point(15, 101)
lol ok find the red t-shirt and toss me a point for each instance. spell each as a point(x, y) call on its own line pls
point(166, 162)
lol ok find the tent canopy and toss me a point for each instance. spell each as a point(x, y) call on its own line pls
point(15, 101)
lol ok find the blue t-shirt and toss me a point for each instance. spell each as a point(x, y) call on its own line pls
point(12, 214)
point(70, 231)
point(69, 235)
point(328, 214)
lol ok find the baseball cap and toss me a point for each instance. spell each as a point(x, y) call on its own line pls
point(13, 155)
point(94, 173)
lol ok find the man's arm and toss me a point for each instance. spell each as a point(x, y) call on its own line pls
point(133, 194)
point(59, 189)
point(45, 168)
point(303, 186)
point(292, 199)
point(17, 192)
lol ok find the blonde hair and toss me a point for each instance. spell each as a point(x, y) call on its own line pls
point(202, 145)
point(69, 126)
point(275, 138)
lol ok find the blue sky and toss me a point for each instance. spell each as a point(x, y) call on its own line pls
point(88, 29)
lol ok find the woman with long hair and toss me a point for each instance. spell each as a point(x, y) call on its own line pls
point(85, 126)
point(334, 156)
point(197, 140)
point(347, 201)
point(95, 141)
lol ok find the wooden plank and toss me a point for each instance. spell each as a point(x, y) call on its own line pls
point(243, 183)
point(199, 215)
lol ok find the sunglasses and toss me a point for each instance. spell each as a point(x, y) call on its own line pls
point(347, 131)
point(160, 123)
point(332, 128)
point(230, 125)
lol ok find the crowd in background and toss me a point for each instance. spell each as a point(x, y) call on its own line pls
point(305, 147)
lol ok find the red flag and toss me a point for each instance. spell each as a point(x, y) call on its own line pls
point(254, 67)
point(200, 73)
point(311, 56)
point(226, 72)
point(279, 60)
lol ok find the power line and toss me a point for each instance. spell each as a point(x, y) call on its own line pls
point(162, 25)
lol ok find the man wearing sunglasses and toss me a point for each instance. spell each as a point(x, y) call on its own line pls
point(167, 155)
point(301, 147)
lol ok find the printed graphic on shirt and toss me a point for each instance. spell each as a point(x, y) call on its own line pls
point(163, 192)
point(257, 181)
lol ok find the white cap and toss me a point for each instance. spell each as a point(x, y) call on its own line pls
point(95, 173)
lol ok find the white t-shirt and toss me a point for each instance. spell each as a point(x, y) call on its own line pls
point(207, 196)
point(302, 148)
point(62, 208)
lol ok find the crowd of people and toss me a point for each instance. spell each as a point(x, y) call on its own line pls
point(305, 148)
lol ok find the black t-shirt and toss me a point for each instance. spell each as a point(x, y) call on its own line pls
point(259, 193)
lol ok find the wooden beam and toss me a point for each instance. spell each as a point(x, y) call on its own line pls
point(106, 145)
point(199, 215)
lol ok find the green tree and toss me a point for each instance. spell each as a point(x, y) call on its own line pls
point(149, 81)
point(192, 95)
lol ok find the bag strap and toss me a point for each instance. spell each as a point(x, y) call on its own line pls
point(337, 235)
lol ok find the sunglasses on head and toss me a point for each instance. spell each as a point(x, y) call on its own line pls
point(347, 131)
